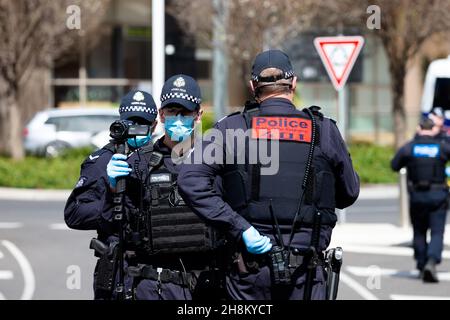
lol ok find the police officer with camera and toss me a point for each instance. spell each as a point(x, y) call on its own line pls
point(87, 208)
point(425, 157)
point(159, 249)
point(278, 225)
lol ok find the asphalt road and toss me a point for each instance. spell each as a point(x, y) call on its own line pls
point(41, 259)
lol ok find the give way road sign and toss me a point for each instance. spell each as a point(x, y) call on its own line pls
point(338, 55)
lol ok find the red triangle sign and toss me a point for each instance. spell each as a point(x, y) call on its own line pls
point(338, 55)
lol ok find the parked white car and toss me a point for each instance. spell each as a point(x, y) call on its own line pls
point(52, 130)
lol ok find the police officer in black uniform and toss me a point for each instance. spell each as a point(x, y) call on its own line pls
point(87, 208)
point(167, 248)
point(180, 261)
point(269, 219)
point(425, 157)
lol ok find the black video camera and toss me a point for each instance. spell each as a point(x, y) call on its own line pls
point(121, 130)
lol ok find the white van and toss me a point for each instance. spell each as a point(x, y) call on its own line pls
point(436, 91)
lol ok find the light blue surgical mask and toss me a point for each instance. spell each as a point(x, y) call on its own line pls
point(139, 141)
point(178, 127)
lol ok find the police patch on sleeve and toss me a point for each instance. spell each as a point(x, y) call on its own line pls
point(282, 128)
point(80, 182)
point(426, 150)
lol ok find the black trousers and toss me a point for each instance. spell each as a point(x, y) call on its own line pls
point(428, 210)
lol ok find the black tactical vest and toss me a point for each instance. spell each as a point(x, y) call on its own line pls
point(173, 227)
point(427, 165)
point(252, 194)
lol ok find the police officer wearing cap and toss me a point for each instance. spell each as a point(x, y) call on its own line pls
point(168, 249)
point(269, 218)
point(438, 117)
point(179, 262)
point(425, 157)
point(87, 207)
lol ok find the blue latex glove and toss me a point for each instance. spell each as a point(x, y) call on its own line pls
point(117, 167)
point(255, 242)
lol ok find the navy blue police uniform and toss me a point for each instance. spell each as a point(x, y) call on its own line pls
point(177, 256)
point(87, 207)
point(178, 260)
point(270, 203)
point(425, 158)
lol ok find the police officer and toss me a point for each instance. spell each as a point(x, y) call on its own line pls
point(166, 249)
point(425, 157)
point(438, 117)
point(87, 208)
point(179, 262)
point(269, 218)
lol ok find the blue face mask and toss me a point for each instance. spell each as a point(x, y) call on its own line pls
point(178, 127)
point(139, 141)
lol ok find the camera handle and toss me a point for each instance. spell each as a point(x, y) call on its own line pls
point(119, 218)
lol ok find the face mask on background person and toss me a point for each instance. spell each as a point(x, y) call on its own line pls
point(139, 141)
point(179, 127)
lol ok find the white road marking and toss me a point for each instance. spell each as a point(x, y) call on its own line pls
point(411, 297)
point(378, 209)
point(1, 255)
point(6, 275)
point(59, 226)
point(10, 225)
point(2, 297)
point(28, 275)
point(386, 251)
point(353, 284)
point(369, 272)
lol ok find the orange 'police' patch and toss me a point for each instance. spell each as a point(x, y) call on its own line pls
point(282, 128)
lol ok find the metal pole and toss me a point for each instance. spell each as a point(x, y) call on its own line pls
point(220, 62)
point(82, 73)
point(158, 50)
point(404, 201)
point(342, 111)
point(342, 125)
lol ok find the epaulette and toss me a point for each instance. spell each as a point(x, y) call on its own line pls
point(229, 115)
point(250, 105)
point(332, 120)
point(96, 154)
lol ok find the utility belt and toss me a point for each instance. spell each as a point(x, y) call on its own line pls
point(251, 263)
point(427, 185)
point(161, 275)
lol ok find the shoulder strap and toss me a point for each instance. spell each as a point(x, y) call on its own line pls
point(251, 109)
point(307, 176)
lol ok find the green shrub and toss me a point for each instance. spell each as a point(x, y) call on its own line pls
point(372, 163)
point(208, 120)
point(43, 173)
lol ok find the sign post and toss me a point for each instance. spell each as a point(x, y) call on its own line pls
point(338, 55)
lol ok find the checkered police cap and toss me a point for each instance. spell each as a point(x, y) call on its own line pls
point(181, 90)
point(139, 104)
